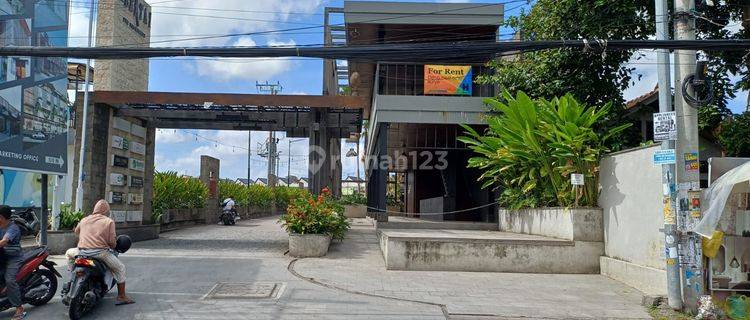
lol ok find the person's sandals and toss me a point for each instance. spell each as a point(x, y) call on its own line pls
point(19, 316)
point(124, 302)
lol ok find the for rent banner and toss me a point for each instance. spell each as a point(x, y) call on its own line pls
point(447, 80)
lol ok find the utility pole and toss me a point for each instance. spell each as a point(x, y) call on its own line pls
point(687, 168)
point(274, 89)
point(289, 161)
point(84, 116)
point(249, 154)
point(674, 289)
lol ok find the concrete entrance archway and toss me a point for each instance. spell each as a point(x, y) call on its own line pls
point(112, 114)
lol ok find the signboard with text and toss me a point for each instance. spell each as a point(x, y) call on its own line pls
point(447, 80)
point(665, 126)
point(664, 157)
point(33, 91)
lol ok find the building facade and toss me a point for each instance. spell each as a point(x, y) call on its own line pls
point(416, 109)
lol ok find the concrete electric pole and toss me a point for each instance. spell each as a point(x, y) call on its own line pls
point(270, 88)
point(687, 157)
point(674, 290)
point(84, 116)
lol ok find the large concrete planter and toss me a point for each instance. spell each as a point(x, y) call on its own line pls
point(308, 245)
point(60, 241)
point(355, 211)
point(578, 224)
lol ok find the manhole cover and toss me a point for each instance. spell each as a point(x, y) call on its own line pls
point(257, 290)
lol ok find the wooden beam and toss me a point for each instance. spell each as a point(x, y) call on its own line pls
point(180, 98)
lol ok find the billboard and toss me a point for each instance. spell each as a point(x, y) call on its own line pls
point(447, 80)
point(34, 107)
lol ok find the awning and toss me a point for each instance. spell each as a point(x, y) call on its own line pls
point(715, 198)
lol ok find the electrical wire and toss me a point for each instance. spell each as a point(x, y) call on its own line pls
point(420, 52)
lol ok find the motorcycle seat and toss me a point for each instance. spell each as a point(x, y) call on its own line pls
point(32, 253)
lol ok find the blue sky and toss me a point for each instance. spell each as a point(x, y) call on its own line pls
point(180, 150)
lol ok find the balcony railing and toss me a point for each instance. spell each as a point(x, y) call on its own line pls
point(408, 80)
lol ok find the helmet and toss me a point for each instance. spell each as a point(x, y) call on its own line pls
point(123, 243)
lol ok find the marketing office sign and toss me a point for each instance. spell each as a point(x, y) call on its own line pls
point(33, 91)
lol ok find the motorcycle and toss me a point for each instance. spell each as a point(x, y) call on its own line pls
point(27, 220)
point(90, 281)
point(228, 217)
point(37, 279)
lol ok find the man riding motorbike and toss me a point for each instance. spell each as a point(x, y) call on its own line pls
point(96, 236)
point(229, 204)
point(11, 259)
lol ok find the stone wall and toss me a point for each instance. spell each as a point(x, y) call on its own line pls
point(95, 164)
point(122, 24)
point(578, 224)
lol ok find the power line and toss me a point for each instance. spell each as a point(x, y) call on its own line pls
point(421, 52)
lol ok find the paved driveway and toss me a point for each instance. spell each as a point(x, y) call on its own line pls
point(171, 277)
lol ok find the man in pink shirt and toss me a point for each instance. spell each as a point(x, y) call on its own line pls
point(96, 236)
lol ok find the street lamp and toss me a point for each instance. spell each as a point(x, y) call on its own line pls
point(355, 154)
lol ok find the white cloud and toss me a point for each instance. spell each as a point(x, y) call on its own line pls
point(244, 69)
point(171, 136)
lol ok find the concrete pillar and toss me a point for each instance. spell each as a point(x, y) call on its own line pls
point(148, 175)
point(334, 148)
point(377, 184)
point(95, 161)
point(319, 169)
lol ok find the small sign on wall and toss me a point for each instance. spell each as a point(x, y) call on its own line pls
point(136, 164)
point(117, 179)
point(665, 126)
point(135, 198)
point(119, 143)
point(121, 124)
point(664, 157)
point(115, 197)
point(119, 215)
point(138, 131)
point(119, 161)
point(136, 182)
point(137, 147)
point(135, 216)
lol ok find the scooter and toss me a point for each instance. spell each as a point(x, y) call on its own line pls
point(90, 281)
point(37, 279)
point(228, 217)
point(27, 220)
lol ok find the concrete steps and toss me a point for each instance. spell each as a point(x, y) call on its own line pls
point(486, 251)
point(413, 223)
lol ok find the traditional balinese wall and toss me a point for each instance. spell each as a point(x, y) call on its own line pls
point(631, 200)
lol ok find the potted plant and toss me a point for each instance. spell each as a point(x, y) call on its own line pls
point(355, 205)
point(64, 238)
point(312, 223)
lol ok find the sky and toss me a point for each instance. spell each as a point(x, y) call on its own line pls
point(180, 150)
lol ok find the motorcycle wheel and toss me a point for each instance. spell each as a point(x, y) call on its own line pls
point(77, 308)
point(49, 279)
point(225, 219)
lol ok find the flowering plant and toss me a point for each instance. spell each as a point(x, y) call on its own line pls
point(321, 215)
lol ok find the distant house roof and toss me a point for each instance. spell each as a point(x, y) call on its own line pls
point(243, 181)
point(262, 180)
point(645, 99)
point(353, 179)
point(305, 180)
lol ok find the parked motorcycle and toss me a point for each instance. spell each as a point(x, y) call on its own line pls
point(27, 220)
point(37, 279)
point(228, 217)
point(90, 281)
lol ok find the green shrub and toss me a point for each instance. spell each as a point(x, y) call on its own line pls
point(355, 198)
point(284, 195)
point(260, 196)
point(69, 218)
point(532, 146)
point(308, 215)
point(236, 191)
point(172, 191)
